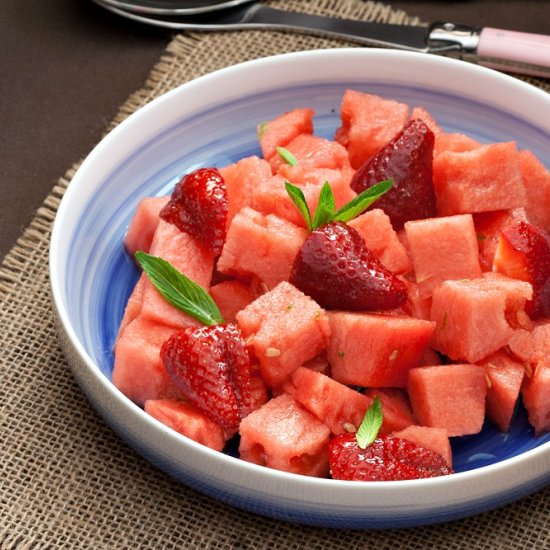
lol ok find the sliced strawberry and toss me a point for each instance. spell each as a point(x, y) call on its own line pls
point(407, 159)
point(337, 270)
point(210, 365)
point(387, 458)
point(523, 252)
point(199, 206)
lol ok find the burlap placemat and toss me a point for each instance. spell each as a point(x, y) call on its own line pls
point(66, 481)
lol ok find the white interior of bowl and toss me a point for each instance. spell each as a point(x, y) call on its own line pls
point(110, 173)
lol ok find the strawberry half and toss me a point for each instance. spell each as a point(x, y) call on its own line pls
point(363, 456)
point(211, 367)
point(388, 458)
point(337, 270)
point(407, 159)
point(199, 206)
point(523, 252)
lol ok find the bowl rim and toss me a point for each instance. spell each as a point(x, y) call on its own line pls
point(500, 468)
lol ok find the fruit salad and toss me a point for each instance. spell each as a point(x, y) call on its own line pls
point(343, 308)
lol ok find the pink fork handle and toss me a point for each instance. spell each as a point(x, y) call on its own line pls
point(525, 52)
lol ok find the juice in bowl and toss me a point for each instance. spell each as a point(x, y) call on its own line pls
point(93, 277)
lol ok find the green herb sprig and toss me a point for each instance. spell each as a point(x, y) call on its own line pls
point(326, 209)
point(180, 291)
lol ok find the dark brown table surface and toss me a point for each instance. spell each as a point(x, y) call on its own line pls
point(67, 66)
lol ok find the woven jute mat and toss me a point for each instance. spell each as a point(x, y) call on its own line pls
point(67, 481)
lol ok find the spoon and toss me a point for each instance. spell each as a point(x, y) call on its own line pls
point(517, 52)
point(247, 15)
point(173, 7)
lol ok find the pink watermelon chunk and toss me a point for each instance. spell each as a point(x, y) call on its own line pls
point(369, 122)
point(481, 180)
point(477, 317)
point(187, 420)
point(133, 306)
point(341, 408)
point(375, 350)
point(450, 397)
point(532, 346)
point(434, 439)
point(455, 142)
point(319, 364)
point(376, 229)
point(423, 114)
point(442, 249)
point(138, 371)
point(489, 226)
point(313, 152)
point(271, 196)
point(504, 376)
point(144, 224)
point(187, 255)
point(231, 297)
point(417, 306)
point(284, 436)
point(536, 179)
point(536, 397)
point(241, 180)
point(396, 408)
point(282, 130)
point(285, 328)
point(262, 246)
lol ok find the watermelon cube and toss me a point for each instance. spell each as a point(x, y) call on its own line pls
point(442, 249)
point(187, 255)
point(434, 439)
point(369, 122)
point(481, 180)
point(313, 152)
point(285, 328)
point(532, 345)
point(417, 306)
point(133, 306)
point(144, 224)
point(231, 297)
point(423, 114)
point(489, 226)
point(284, 436)
point(536, 397)
point(532, 348)
point(186, 419)
point(375, 350)
point(261, 246)
point(282, 130)
point(450, 397)
point(396, 408)
point(477, 317)
point(536, 178)
point(341, 408)
point(271, 197)
point(454, 142)
point(376, 229)
point(504, 377)
point(138, 370)
point(241, 180)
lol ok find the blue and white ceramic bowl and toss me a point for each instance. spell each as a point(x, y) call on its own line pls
point(212, 121)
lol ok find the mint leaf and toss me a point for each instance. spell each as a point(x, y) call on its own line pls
point(180, 291)
point(370, 426)
point(262, 129)
point(287, 156)
point(362, 201)
point(297, 197)
point(325, 208)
